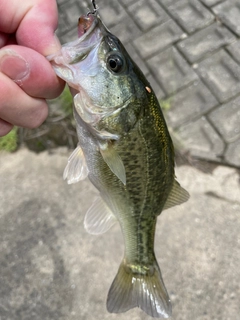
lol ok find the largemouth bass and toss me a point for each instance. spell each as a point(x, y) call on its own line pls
point(126, 151)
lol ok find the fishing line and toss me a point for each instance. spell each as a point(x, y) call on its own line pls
point(94, 8)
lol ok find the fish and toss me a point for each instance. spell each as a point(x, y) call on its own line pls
point(127, 153)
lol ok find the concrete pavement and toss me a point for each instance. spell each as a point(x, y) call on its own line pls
point(50, 268)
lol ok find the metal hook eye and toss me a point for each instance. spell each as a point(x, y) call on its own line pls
point(94, 8)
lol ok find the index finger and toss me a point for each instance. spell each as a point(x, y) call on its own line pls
point(34, 22)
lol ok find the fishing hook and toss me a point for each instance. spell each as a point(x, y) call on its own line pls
point(94, 8)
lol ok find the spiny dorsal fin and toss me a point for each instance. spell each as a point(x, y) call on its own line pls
point(76, 168)
point(113, 160)
point(99, 218)
point(177, 196)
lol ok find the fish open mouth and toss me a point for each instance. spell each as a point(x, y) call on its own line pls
point(90, 34)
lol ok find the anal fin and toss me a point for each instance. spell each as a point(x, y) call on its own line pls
point(177, 196)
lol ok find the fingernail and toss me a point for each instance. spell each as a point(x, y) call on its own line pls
point(13, 65)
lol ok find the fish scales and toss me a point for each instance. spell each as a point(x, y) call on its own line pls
point(126, 151)
point(141, 190)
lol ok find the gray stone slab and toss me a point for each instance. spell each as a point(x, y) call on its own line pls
point(137, 58)
point(171, 70)
point(234, 50)
point(59, 2)
point(232, 154)
point(111, 12)
point(201, 140)
point(221, 74)
point(69, 12)
point(189, 104)
point(167, 3)
point(211, 3)
point(126, 30)
point(158, 39)
point(226, 119)
point(147, 14)
point(191, 15)
point(52, 269)
point(205, 42)
point(127, 2)
point(156, 87)
point(69, 36)
point(229, 13)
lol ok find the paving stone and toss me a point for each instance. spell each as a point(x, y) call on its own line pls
point(171, 70)
point(69, 36)
point(221, 74)
point(205, 42)
point(232, 154)
point(83, 2)
point(229, 13)
point(126, 30)
point(167, 3)
point(111, 12)
point(69, 13)
point(127, 2)
point(137, 59)
point(156, 87)
point(201, 140)
point(234, 50)
point(68, 16)
point(158, 39)
point(191, 15)
point(147, 14)
point(189, 104)
point(226, 119)
point(211, 3)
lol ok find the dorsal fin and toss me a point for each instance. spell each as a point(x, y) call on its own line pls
point(177, 196)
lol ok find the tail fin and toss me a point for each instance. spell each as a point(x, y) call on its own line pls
point(130, 290)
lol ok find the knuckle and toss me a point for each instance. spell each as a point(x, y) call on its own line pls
point(38, 116)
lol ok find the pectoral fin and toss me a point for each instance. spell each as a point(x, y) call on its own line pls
point(76, 168)
point(99, 218)
point(177, 196)
point(113, 160)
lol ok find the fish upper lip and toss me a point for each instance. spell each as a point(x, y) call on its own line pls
point(96, 23)
point(89, 30)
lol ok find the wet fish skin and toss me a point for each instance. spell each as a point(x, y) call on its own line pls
point(127, 153)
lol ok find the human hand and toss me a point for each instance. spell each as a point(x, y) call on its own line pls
point(26, 77)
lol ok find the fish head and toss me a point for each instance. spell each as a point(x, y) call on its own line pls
point(98, 66)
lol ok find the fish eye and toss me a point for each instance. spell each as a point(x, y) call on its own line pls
point(115, 63)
